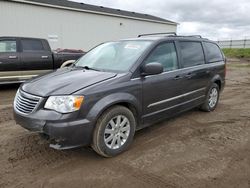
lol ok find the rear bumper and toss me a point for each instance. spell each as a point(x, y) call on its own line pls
point(63, 134)
point(223, 83)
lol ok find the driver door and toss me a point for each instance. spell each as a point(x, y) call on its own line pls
point(161, 91)
point(9, 61)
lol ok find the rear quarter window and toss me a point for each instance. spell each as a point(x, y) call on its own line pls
point(192, 53)
point(213, 52)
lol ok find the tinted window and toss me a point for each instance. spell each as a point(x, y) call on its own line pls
point(8, 46)
point(192, 53)
point(166, 55)
point(32, 45)
point(213, 52)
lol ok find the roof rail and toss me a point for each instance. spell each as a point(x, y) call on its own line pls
point(197, 36)
point(171, 34)
point(150, 34)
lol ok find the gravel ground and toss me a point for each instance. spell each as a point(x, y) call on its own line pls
point(195, 149)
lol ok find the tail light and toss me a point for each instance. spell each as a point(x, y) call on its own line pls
point(225, 66)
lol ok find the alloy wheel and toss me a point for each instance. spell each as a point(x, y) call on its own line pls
point(117, 132)
point(213, 98)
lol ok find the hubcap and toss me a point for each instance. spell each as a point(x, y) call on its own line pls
point(116, 132)
point(213, 97)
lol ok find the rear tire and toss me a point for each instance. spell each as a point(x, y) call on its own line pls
point(212, 98)
point(114, 131)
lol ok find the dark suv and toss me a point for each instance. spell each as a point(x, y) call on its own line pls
point(120, 87)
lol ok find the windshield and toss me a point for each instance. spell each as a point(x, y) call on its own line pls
point(113, 56)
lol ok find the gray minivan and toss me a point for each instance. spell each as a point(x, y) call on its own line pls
point(119, 87)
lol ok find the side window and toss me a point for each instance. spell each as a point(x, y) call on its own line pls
point(192, 54)
point(166, 55)
point(30, 45)
point(8, 46)
point(213, 52)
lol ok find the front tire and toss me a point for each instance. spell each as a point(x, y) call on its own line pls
point(114, 131)
point(212, 98)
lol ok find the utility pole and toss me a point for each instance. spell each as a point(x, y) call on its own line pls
point(245, 41)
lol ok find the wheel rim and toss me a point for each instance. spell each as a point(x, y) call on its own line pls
point(213, 97)
point(116, 132)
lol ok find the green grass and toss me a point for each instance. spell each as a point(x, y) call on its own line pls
point(232, 65)
point(237, 52)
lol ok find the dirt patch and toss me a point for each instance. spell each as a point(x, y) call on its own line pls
point(195, 149)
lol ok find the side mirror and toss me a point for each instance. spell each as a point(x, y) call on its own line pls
point(152, 69)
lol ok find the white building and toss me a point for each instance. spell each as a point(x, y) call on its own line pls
point(69, 24)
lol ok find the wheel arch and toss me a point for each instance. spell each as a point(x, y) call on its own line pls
point(123, 99)
point(67, 63)
point(217, 80)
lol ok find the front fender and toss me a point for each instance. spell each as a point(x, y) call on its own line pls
point(111, 100)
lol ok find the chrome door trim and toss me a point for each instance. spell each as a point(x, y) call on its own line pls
point(22, 72)
point(12, 57)
point(174, 98)
point(19, 76)
point(23, 76)
point(171, 107)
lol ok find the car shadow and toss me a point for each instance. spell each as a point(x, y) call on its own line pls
point(7, 87)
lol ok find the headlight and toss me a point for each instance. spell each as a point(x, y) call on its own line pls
point(64, 104)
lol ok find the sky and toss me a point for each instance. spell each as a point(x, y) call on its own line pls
point(213, 19)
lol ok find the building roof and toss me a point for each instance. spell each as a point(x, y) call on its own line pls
point(64, 4)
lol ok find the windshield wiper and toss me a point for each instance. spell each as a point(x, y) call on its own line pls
point(90, 68)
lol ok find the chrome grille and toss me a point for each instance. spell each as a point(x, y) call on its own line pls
point(25, 103)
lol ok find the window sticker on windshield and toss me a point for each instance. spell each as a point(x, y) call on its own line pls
point(132, 46)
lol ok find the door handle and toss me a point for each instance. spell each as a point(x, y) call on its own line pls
point(208, 71)
point(12, 57)
point(44, 57)
point(189, 75)
point(178, 77)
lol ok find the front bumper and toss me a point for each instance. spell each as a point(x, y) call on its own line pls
point(64, 133)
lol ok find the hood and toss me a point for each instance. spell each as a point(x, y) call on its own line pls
point(65, 81)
